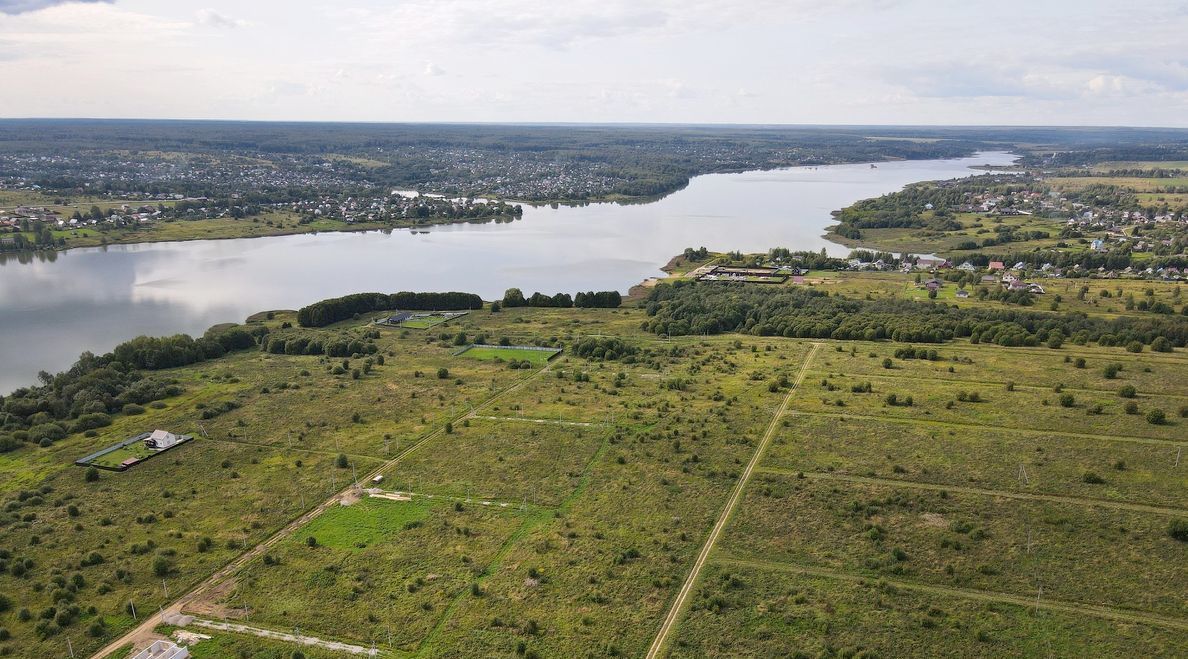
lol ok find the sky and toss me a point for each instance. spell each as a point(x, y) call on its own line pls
point(1039, 62)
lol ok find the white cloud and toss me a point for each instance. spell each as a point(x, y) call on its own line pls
point(762, 61)
point(212, 18)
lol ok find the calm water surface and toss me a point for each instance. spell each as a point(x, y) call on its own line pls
point(51, 309)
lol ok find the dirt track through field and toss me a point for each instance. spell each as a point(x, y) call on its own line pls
point(678, 605)
point(144, 631)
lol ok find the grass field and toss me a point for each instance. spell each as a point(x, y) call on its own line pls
point(509, 353)
point(1002, 527)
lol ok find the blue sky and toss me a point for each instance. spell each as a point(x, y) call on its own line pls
point(696, 61)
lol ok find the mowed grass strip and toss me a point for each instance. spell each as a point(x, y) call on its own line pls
point(750, 610)
point(1094, 555)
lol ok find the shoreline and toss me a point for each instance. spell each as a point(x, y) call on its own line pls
point(606, 199)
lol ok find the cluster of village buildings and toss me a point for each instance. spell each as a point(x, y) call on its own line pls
point(145, 177)
point(1109, 224)
point(399, 205)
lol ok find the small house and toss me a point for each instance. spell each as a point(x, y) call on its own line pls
point(161, 440)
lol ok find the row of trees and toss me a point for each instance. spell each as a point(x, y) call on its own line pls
point(333, 310)
point(684, 308)
point(514, 297)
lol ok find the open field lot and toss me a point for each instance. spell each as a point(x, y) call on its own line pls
point(965, 540)
point(378, 566)
point(374, 415)
point(962, 364)
point(506, 461)
point(1028, 462)
point(1023, 408)
point(1135, 183)
point(1015, 530)
point(761, 610)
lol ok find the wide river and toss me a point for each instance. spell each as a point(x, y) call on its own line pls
point(54, 307)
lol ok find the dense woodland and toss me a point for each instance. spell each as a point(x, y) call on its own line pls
point(683, 308)
point(333, 310)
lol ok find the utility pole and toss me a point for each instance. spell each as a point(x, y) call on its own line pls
point(70, 646)
point(133, 606)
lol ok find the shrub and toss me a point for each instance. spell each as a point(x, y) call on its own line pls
point(311, 541)
point(1127, 391)
point(1130, 407)
point(1111, 371)
point(1067, 400)
point(443, 373)
point(341, 461)
point(1092, 478)
point(1178, 529)
point(162, 566)
point(92, 475)
point(133, 408)
point(1156, 417)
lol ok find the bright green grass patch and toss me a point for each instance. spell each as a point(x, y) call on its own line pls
point(363, 523)
point(493, 353)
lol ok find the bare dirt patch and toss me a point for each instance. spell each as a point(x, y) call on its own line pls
point(935, 520)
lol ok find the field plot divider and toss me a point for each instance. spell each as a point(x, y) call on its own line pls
point(682, 597)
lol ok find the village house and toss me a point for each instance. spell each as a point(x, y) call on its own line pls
point(161, 440)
